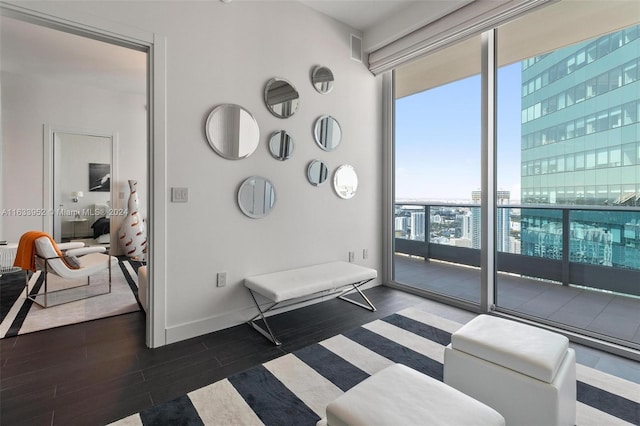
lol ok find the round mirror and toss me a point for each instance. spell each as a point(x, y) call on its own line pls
point(281, 145)
point(317, 172)
point(322, 79)
point(345, 181)
point(256, 197)
point(327, 133)
point(232, 131)
point(281, 97)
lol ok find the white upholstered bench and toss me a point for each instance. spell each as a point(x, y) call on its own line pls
point(526, 373)
point(286, 288)
point(399, 395)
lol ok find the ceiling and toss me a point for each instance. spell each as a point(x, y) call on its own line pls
point(359, 14)
point(384, 21)
point(29, 49)
point(35, 50)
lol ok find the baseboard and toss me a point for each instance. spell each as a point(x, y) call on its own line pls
point(207, 325)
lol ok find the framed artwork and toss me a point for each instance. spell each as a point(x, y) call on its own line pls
point(99, 177)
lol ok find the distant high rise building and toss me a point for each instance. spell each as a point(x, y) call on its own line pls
point(502, 220)
point(464, 224)
point(401, 226)
point(580, 122)
point(502, 197)
point(581, 146)
point(417, 226)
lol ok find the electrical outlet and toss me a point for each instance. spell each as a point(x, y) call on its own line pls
point(222, 279)
point(179, 195)
point(352, 256)
point(365, 253)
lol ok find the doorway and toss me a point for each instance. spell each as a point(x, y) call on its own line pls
point(153, 45)
point(64, 83)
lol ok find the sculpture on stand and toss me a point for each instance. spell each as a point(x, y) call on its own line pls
point(132, 236)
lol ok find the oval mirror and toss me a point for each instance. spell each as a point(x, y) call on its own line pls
point(281, 97)
point(327, 133)
point(345, 181)
point(232, 131)
point(281, 145)
point(322, 79)
point(256, 197)
point(317, 172)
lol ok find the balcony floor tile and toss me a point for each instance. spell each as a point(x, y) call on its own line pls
point(580, 310)
point(604, 313)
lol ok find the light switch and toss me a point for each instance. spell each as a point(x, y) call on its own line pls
point(179, 195)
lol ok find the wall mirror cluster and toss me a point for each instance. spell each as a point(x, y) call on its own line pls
point(327, 133)
point(345, 181)
point(232, 131)
point(281, 145)
point(281, 97)
point(256, 197)
point(322, 79)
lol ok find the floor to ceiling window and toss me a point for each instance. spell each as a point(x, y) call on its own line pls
point(437, 180)
point(567, 198)
point(568, 138)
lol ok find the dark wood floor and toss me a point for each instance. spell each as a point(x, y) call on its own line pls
point(100, 371)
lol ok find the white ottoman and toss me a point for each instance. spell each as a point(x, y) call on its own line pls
point(399, 395)
point(526, 373)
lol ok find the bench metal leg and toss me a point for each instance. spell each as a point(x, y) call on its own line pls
point(369, 306)
point(266, 333)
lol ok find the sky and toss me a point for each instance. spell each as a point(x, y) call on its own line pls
point(438, 139)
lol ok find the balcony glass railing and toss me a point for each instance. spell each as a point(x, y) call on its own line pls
point(589, 246)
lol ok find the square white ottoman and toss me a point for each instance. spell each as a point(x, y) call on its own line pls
point(399, 395)
point(525, 373)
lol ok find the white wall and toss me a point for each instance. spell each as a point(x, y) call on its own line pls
point(28, 104)
point(225, 53)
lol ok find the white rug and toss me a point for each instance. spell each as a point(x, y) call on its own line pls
point(27, 317)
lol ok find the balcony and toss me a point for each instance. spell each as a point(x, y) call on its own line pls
point(576, 267)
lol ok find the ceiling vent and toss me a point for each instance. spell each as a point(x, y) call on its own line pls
point(356, 48)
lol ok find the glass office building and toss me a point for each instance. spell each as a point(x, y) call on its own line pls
point(581, 147)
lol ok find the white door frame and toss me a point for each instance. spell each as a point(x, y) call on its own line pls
point(55, 16)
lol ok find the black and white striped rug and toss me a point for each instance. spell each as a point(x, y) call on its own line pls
point(19, 315)
point(294, 389)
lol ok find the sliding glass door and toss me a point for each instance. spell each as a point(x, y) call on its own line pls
point(568, 144)
point(437, 173)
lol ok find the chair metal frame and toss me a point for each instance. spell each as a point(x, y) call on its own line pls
point(46, 293)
